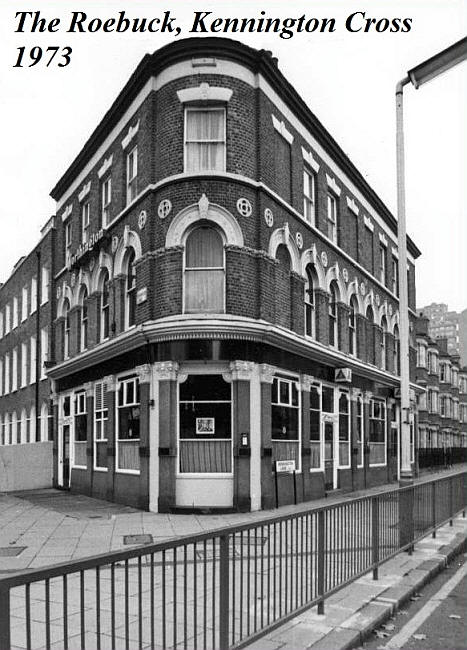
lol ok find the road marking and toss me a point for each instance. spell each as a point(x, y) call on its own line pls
point(404, 634)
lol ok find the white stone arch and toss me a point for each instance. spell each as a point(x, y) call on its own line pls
point(66, 294)
point(129, 240)
point(104, 263)
point(383, 313)
point(84, 282)
point(369, 301)
point(393, 322)
point(201, 213)
point(310, 256)
point(282, 236)
point(333, 275)
point(44, 422)
point(353, 290)
point(23, 426)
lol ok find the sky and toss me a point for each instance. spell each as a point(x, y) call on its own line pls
point(347, 79)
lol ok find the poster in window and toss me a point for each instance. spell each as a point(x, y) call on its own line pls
point(205, 426)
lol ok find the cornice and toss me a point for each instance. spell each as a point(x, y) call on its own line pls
point(224, 327)
point(259, 62)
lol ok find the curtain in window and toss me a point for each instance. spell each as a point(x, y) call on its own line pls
point(205, 140)
point(204, 274)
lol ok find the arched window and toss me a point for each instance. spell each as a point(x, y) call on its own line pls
point(384, 327)
point(130, 290)
point(283, 257)
point(370, 337)
point(104, 306)
point(204, 271)
point(396, 350)
point(66, 329)
point(83, 320)
point(333, 324)
point(353, 325)
point(310, 315)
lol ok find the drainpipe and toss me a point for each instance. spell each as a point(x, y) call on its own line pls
point(38, 331)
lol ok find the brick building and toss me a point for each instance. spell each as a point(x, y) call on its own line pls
point(226, 295)
point(26, 319)
point(442, 416)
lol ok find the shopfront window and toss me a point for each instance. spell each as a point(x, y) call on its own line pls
point(128, 425)
point(285, 416)
point(377, 432)
point(101, 418)
point(205, 417)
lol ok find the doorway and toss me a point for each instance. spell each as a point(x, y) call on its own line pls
point(330, 453)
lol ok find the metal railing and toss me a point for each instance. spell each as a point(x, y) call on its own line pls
point(441, 456)
point(224, 588)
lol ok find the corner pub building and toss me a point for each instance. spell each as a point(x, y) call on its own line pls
point(226, 295)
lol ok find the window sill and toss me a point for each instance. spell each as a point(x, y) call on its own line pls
point(82, 467)
point(131, 472)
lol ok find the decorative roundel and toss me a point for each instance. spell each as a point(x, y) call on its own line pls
point(269, 217)
point(73, 280)
point(142, 218)
point(390, 310)
point(244, 207)
point(299, 240)
point(362, 288)
point(114, 243)
point(324, 258)
point(345, 275)
point(377, 299)
point(164, 209)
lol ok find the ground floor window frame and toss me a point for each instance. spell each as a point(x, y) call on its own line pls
point(285, 390)
point(127, 396)
point(78, 406)
point(193, 371)
point(377, 423)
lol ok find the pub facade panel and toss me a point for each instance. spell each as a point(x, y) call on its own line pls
point(225, 297)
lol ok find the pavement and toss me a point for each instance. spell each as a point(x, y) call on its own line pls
point(45, 527)
point(354, 612)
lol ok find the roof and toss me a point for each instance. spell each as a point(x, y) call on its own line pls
point(256, 60)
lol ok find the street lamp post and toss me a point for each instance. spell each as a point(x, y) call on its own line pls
point(419, 75)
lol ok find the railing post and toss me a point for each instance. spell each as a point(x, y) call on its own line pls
point(321, 561)
point(433, 508)
point(406, 517)
point(451, 502)
point(375, 535)
point(5, 642)
point(224, 591)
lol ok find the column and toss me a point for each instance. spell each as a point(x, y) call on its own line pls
point(54, 398)
point(305, 383)
point(390, 442)
point(145, 376)
point(166, 375)
point(267, 485)
point(241, 373)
